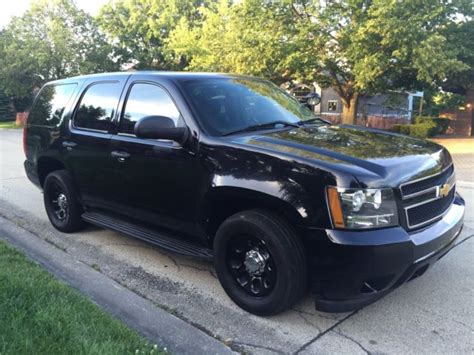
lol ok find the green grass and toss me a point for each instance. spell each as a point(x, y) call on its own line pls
point(41, 315)
point(9, 124)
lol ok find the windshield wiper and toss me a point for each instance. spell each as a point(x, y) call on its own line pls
point(313, 119)
point(261, 126)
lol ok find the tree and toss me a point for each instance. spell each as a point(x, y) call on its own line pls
point(250, 37)
point(52, 40)
point(354, 46)
point(460, 37)
point(141, 28)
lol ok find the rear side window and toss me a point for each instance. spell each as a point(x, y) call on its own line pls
point(147, 100)
point(50, 104)
point(97, 106)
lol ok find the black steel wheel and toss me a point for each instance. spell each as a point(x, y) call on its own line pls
point(251, 265)
point(60, 200)
point(260, 262)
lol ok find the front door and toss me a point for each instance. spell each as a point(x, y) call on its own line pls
point(154, 178)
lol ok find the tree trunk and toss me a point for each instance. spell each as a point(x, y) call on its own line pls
point(349, 109)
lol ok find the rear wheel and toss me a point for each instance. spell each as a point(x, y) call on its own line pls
point(60, 200)
point(260, 262)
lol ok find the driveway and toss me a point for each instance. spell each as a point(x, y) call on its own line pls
point(431, 314)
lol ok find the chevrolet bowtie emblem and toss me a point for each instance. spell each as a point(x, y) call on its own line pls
point(444, 190)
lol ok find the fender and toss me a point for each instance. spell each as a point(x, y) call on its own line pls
point(229, 194)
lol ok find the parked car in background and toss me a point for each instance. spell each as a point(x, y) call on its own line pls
point(233, 169)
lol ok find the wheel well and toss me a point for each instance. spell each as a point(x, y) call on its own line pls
point(47, 166)
point(225, 206)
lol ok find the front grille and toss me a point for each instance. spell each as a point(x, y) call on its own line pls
point(423, 200)
point(411, 188)
point(428, 211)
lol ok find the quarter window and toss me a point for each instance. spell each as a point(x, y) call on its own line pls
point(50, 105)
point(147, 100)
point(97, 107)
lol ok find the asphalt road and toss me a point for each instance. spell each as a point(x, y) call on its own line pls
point(431, 314)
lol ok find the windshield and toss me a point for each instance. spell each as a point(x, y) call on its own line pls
point(228, 105)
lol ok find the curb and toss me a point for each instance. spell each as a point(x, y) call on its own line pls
point(157, 325)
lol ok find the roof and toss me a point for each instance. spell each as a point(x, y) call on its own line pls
point(167, 74)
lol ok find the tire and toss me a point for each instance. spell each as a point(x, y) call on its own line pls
point(283, 280)
point(61, 203)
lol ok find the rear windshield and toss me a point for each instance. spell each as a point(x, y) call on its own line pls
point(50, 104)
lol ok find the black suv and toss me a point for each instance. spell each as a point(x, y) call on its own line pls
point(234, 169)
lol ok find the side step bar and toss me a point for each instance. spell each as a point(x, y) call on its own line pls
point(159, 239)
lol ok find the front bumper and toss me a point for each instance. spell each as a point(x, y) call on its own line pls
point(353, 269)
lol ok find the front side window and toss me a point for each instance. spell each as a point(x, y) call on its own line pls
point(50, 104)
point(147, 100)
point(97, 107)
point(224, 105)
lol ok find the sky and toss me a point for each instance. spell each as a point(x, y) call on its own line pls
point(10, 8)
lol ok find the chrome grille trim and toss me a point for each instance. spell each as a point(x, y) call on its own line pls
point(419, 193)
point(451, 181)
point(406, 197)
point(423, 203)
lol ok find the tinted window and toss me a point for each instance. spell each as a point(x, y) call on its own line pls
point(227, 104)
point(147, 100)
point(97, 107)
point(50, 104)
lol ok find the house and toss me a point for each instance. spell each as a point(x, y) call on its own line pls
point(377, 111)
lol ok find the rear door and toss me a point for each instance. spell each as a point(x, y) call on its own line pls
point(87, 145)
point(155, 179)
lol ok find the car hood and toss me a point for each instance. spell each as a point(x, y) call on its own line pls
point(372, 156)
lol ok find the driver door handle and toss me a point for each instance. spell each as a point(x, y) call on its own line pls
point(121, 156)
point(69, 145)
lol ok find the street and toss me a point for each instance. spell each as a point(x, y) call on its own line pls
point(431, 314)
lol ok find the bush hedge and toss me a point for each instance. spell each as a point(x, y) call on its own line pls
point(424, 127)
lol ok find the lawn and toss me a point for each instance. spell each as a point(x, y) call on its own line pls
point(41, 315)
point(9, 124)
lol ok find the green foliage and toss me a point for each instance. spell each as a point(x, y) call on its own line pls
point(52, 40)
point(437, 101)
point(355, 46)
point(460, 38)
point(41, 315)
point(424, 127)
point(6, 112)
point(438, 125)
point(414, 130)
point(141, 28)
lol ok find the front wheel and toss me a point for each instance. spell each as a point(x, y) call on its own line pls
point(60, 201)
point(260, 262)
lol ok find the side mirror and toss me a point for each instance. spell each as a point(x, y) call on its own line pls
point(312, 99)
point(160, 127)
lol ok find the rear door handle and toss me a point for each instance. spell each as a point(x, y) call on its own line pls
point(69, 145)
point(121, 156)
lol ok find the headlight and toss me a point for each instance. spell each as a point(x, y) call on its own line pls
point(362, 208)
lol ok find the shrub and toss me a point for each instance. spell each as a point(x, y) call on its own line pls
point(424, 127)
point(422, 130)
point(439, 125)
